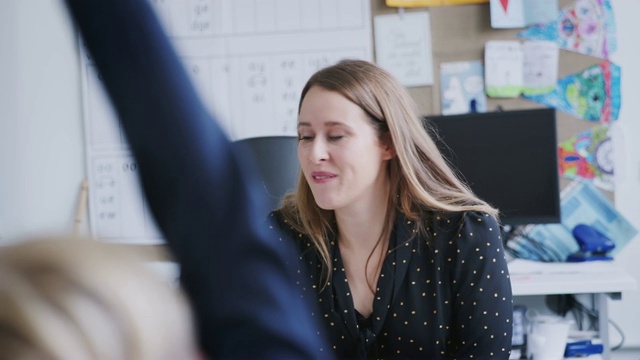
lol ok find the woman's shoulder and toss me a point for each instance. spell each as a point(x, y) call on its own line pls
point(465, 218)
point(468, 227)
point(279, 221)
point(466, 235)
point(299, 241)
point(277, 218)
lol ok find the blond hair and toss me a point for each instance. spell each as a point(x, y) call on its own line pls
point(422, 181)
point(71, 299)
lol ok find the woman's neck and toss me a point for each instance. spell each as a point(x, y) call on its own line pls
point(363, 248)
point(360, 227)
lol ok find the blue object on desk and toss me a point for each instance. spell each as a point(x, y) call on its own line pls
point(593, 244)
point(582, 348)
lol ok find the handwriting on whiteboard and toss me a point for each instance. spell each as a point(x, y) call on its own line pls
point(248, 59)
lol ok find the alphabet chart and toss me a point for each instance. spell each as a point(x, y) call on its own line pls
point(248, 60)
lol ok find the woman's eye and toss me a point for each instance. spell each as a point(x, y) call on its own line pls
point(335, 137)
point(304, 138)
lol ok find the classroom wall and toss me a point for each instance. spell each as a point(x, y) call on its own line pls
point(627, 148)
point(41, 130)
point(41, 144)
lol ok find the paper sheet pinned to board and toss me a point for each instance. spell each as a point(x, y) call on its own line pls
point(520, 13)
point(593, 94)
point(423, 3)
point(462, 87)
point(513, 68)
point(403, 47)
point(584, 26)
point(504, 61)
point(589, 156)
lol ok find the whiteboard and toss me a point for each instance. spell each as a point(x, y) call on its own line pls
point(248, 59)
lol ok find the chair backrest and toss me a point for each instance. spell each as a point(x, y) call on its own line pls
point(277, 161)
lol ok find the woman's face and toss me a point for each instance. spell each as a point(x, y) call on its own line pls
point(339, 151)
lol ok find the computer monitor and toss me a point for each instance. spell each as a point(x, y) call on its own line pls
point(508, 158)
point(276, 158)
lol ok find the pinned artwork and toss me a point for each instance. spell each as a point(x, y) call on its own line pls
point(506, 14)
point(403, 47)
point(593, 94)
point(513, 68)
point(504, 62)
point(462, 87)
point(423, 3)
point(585, 26)
point(588, 156)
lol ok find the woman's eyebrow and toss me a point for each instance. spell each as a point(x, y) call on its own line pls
point(328, 124)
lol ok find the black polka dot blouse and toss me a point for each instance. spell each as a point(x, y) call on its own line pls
point(445, 297)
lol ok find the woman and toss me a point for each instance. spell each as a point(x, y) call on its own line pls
point(403, 259)
point(64, 299)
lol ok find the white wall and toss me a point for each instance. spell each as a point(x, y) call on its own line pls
point(41, 142)
point(41, 136)
point(626, 313)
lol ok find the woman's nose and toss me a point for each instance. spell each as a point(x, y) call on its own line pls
point(318, 151)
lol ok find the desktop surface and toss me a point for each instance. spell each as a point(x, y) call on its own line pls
point(539, 278)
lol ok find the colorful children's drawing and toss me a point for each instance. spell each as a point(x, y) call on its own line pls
point(588, 156)
point(593, 94)
point(585, 26)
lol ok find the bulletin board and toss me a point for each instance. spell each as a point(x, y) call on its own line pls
point(459, 33)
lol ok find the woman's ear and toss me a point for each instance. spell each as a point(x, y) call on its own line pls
point(388, 149)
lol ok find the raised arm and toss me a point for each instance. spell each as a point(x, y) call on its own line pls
point(205, 199)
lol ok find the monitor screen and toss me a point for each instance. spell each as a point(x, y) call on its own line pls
point(508, 158)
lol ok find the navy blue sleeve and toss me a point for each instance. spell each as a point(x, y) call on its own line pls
point(203, 196)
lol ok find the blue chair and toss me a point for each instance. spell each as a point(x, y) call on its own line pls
point(277, 160)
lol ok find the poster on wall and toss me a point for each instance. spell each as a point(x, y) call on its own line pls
point(403, 47)
point(592, 94)
point(585, 26)
point(509, 14)
point(423, 3)
point(513, 68)
point(462, 87)
point(588, 156)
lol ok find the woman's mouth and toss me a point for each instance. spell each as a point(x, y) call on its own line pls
point(322, 177)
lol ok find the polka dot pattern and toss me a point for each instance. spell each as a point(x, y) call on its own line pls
point(443, 297)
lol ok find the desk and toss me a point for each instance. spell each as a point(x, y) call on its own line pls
point(600, 278)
